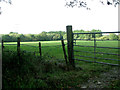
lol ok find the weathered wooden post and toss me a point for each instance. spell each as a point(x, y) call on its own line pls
point(2, 45)
point(40, 49)
point(18, 47)
point(94, 46)
point(70, 45)
point(65, 56)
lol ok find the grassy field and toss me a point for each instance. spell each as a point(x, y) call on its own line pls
point(53, 49)
point(56, 77)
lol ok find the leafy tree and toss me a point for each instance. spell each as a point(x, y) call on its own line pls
point(56, 37)
point(13, 37)
point(97, 35)
point(44, 35)
point(113, 36)
point(119, 36)
point(22, 37)
point(13, 33)
point(80, 36)
point(50, 36)
point(6, 38)
point(105, 37)
point(65, 36)
point(88, 36)
point(37, 37)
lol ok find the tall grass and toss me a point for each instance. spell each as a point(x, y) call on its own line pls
point(25, 72)
point(33, 71)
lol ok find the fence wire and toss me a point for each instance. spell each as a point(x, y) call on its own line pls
point(47, 50)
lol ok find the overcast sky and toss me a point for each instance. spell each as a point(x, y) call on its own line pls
point(35, 16)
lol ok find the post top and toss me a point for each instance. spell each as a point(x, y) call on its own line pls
point(69, 25)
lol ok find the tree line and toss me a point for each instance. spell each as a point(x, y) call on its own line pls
point(57, 35)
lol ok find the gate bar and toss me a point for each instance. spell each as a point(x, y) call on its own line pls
point(97, 47)
point(97, 62)
point(97, 52)
point(96, 32)
point(98, 58)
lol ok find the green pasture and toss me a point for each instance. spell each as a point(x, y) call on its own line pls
point(32, 77)
point(53, 49)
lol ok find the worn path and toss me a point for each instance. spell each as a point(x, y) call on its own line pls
point(104, 79)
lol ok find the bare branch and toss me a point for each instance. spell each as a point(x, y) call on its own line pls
point(83, 3)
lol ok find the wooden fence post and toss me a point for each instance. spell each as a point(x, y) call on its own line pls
point(2, 45)
point(40, 49)
point(65, 56)
point(18, 47)
point(94, 46)
point(70, 45)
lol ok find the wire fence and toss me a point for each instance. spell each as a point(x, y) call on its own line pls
point(88, 51)
point(51, 52)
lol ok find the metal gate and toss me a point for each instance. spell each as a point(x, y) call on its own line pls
point(96, 54)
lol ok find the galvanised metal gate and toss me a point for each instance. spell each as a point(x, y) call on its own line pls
point(71, 49)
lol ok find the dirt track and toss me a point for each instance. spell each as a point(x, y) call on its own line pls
point(104, 79)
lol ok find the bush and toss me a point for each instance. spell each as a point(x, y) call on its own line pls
point(113, 36)
point(22, 73)
point(105, 37)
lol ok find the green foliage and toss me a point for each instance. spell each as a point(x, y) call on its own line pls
point(26, 72)
point(114, 85)
point(57, 35)
point(105, 37)
point(97, 35)
point(13, 33)
point(113, 36)
point(86, 36)
point(44, 36)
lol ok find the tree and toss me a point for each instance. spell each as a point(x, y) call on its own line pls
point(105, 37)
point(119, 36)
point(6, 38)
point(97, 35)
point(6, 1)
point(77, 3)
point(56, 37)
point(44, 35)
point(13, 33)
point(113, 36)
point(65, 36)
point(83, 3)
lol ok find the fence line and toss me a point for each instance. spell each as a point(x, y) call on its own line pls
point(96, 39)
point(18, 47)
point(29, 45)
point(97, 52)
point(10, 44)
point(70, 47)
point(96, 32)
point(39, 47)
point(97, 62)
point(98, 58)
point(70, 40)
point(63, 46)
point(97, 47)
point(2, 45)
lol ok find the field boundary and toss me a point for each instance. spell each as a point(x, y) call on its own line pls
point(70, 45)
point(18, 50)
